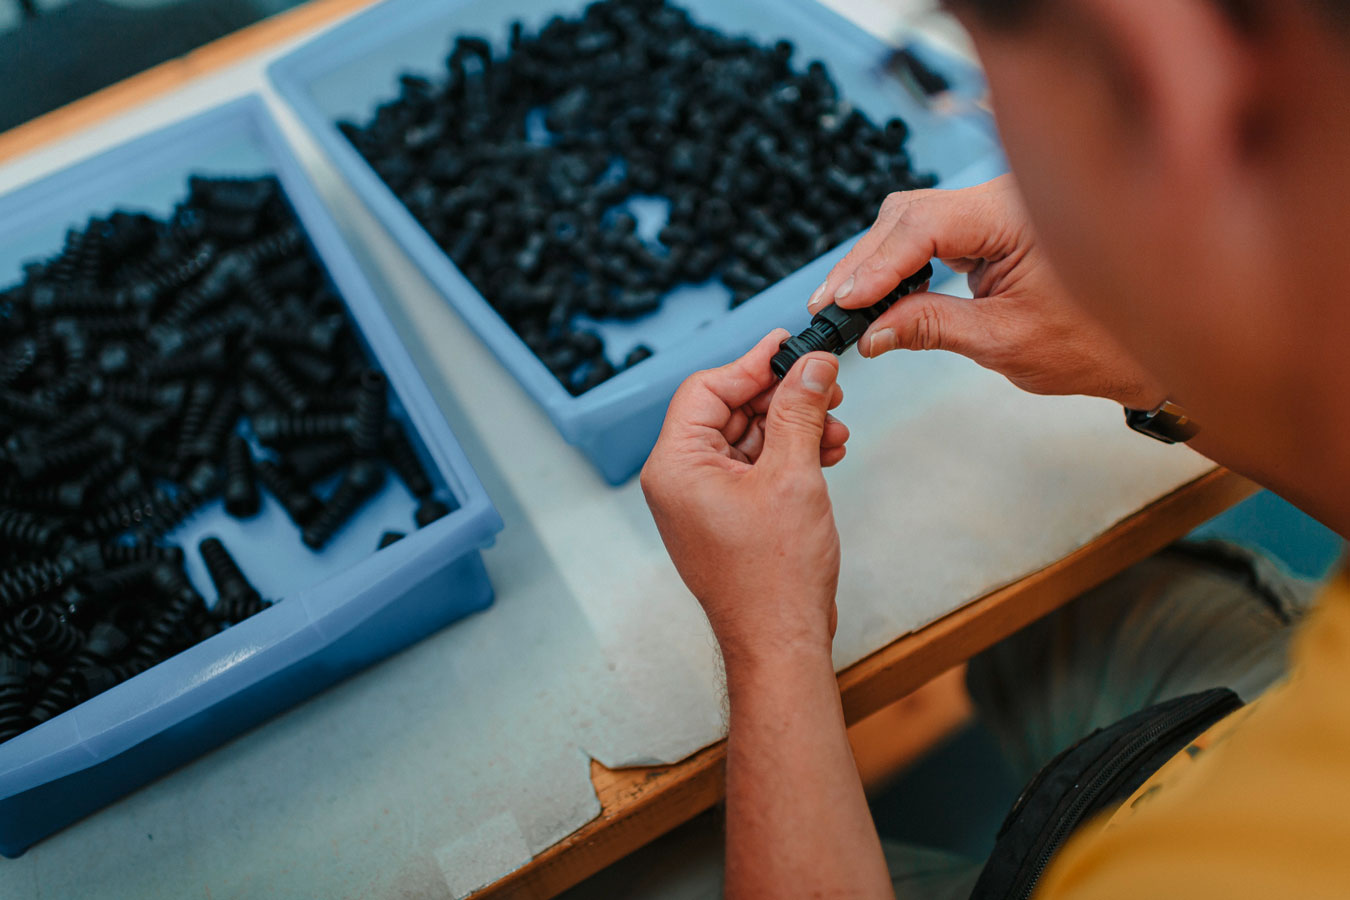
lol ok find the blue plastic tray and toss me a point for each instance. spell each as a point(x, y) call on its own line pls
point(339, 609)
point(346, 72)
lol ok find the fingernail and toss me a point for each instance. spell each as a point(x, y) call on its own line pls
point(817, 376)
point(882, 341)
point(844, 289)
point(817, 298)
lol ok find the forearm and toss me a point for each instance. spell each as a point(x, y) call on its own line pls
point(1330, 504)
point(797, 820)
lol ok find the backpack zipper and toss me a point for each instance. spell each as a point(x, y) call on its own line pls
point(1108, 774)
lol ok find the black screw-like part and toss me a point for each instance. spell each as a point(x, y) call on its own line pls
point(29, 580)
point(637, 355)
point(316, 461)
point(429, 510)
point(14, 696)
point(283, 429)
point(24, 528)
point(300, 504)
point(399, 451)
point(38, 633)
point(836, 329)
point(122, 554)
point(390, 537)
point(270, 373)
point(241, 490)
point(63, 497)
point(176, 624)
point(237, 598)
point(201, 400)
point(370, 412)
point(359, 483)
point(216, 427)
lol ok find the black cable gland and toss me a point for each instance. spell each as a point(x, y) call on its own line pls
point(19, 527)
point(282, 429)
point(360, 482)
point(119, 554)
point(371, 410)
point(401, 454)
point(15, 697)
point(237, 599)
point(429, 510)
point(316, 461)
point(241, 488)
point(835, 329)
point(301, 505)
point(274, 377)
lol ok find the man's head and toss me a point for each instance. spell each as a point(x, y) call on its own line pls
point(1187, 166)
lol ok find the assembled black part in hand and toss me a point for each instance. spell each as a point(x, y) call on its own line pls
point(836, 329)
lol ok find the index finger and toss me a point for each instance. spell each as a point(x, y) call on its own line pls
point(975, 223)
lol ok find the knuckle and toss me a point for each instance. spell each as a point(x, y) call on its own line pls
point(928, 328)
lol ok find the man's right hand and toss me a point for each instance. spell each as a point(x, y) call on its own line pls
point(1021, 323)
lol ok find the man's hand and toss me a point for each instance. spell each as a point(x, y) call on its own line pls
point(1021, 323)
point(737, 488)
point(735, 484)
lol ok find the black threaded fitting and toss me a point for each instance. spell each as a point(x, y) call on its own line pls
point(64, 497)
point(127, 554)
point(29, 580)
point(401, 454)
point(274, 377)
point(216, 427)
point(237, 598)
point(313, 462)
point(301, 505)
point(429, 510)
point(38, 633)
point(281, 429)
point(201, 400)
point(836, 329)
point(14, 697)
point(241, 489)
point(19, 527)
point(370, 412)
point(359, 483)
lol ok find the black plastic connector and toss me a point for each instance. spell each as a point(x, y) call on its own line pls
point(836, 329)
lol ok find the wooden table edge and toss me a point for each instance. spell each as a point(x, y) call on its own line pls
point(640, 804)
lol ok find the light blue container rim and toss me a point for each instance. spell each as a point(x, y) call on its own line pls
point(606, 406)
point(307, 621)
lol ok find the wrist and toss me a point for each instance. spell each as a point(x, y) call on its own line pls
point(774, 660)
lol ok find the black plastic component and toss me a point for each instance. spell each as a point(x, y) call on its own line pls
point(836, 329)
point(359, 483)
point(237, 599)
point(764, 165)
point(241, 489)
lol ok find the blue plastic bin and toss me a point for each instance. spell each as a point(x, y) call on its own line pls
point(344, 73)
point(339, 610)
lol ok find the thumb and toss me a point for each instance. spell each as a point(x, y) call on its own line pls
point(928, 322)
point(796, 419)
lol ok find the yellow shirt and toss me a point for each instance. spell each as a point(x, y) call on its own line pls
point(1258, 806)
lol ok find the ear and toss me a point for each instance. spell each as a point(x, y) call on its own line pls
point(1188, 70)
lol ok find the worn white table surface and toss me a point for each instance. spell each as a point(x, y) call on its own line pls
point(447, 766)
